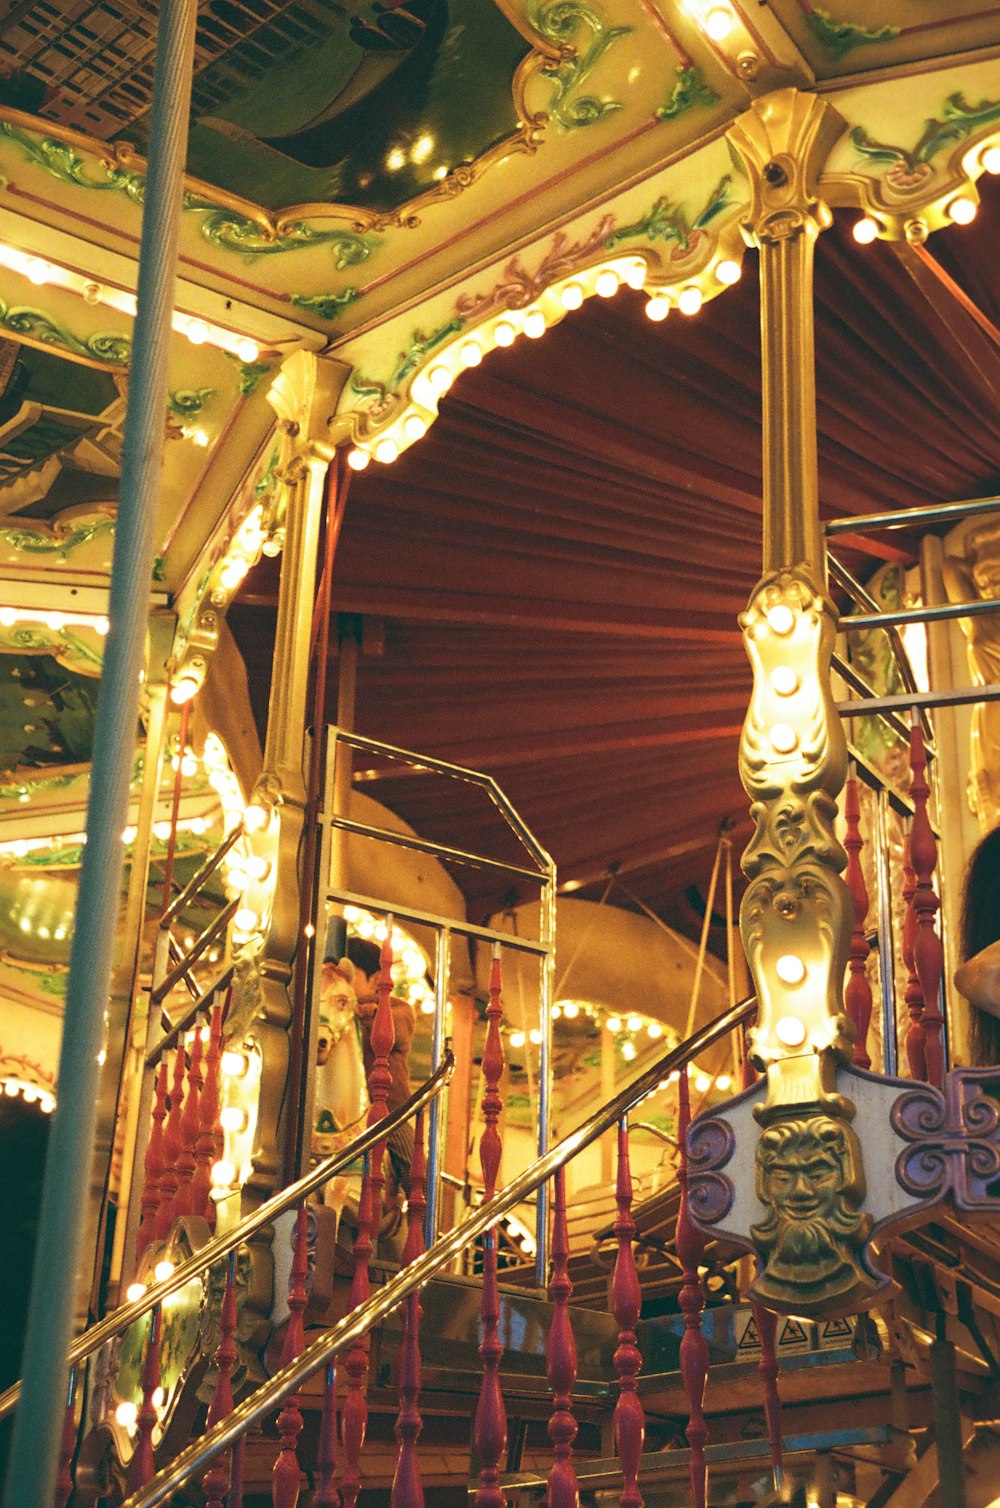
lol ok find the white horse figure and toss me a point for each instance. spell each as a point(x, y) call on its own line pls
point(341, 1092)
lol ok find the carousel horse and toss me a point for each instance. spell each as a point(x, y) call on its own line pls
point(341, 1093)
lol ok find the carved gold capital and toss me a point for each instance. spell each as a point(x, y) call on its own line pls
point(783, 141)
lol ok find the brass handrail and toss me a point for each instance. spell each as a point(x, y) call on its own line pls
point(356, 1324)
point(228, 1241)
point(196, 881)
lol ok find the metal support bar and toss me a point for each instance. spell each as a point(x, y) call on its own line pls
point(209, 935)
point(429, 919)
point(858, 683)
point(435, 1141)
point(440, 850)
point(66, 1190)
point(857, 592)
point(906, 518)
point(207, 869)
point(933, 614)
point(962, 697)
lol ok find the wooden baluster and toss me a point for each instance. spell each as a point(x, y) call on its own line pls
point(858, 995)
point(768, 1368)
point(326, 1495)
point(564, 1489)
point(490, 1429)
point(407, 1488)
point(171, 1148)
point(67, 1445)
point(694, 1348)
point(142, 1467)
point(626, 1302)
point(383, 1035)
point(215, 1482)
point(153, 1165)
point(914, 996)
point(927, 951)
point(286, 1475)
point(235, 1498)
point(186, 1163)
point(208, 1124)
point(354, 1411)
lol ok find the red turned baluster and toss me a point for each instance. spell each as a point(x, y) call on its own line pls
point(286, 1476)
point(235, 1498)
point(67, 1445)
point(927, 951)
point(354, 1411)
point(626, 1301)
point(215, 1482)
point(694, 1348)
point(326, 1495)
point(767, 1329)
point(209, 1129)
point(153, 1165)
point(564, 1489)
point(858, 995)
point(914, 996)
point(383, 1035)
point(407, 1488)
point(171, 1149)
point(490, 1430)
point(189, 1129)
point(142, 1466)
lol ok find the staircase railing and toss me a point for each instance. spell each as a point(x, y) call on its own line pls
point(353, 1328)
point(221, 1245)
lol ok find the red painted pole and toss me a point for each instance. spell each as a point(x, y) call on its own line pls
point(858, 994)
point(326, 1495)
point(490, 1429)
point(383, 1035)
point(407, 1488)
point(209, 1129)
point(171, 1149)
point(142, 1466)
point(216, 1481)
point(694, 1348)
point(564, 1489)
point(286, 1476)
point(928, 954)
point(186, 1163)
point(767, 1329)
point(354, 1411)
point(153, 1165)
point(914, 997)
point(626, 1302)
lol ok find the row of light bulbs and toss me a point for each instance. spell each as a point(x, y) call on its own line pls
point(9, 616)
point(961, 209)
point(32, 1094)
point(468, 351)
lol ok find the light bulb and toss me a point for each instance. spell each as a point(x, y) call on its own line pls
point(723, 1082)
point(254, 817)
point(246, 919)
point(790, 969)
point(162, 830)
point(657, 308)
point(38, 271)
point(572, 295)
point(606, 283)
point(962, 210)
point(991, 160)
point(781, 619)
point(440, 379)
point(865, 230)
point(102, 626)
point(534, 324)
point(233, 1118)
point(790, 1031)
point(654, 1030)
point(784, 680)
point(234, 1063)
point(358, 459)
point(689, 300)
point(157, 1398)
point(247, 350)
point(386, 451)
point(613, 1024)
point(197, 332)
point(635, 274)
point(55, 621)
point(163, 1270)
point(535, 1035)
point(570, 1009)
point(504, 333)
point(728, 272)
point(223, 1174)
point(184, 688)
point(517, 1039)
point(634, 1023)
point(703, 1083)
point(8, 617)
point(135, 1291)
point(126, 1414)
point(628, 1050)
point(783, 738)
point(257, 868)
point(414, 426)
point(470, 354)
point(719, 22)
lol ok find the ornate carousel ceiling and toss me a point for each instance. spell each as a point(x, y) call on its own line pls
point(550, 578)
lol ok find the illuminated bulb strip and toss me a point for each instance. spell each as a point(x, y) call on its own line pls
point(55, 621)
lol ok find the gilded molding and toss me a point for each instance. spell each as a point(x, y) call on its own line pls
point(783, 141)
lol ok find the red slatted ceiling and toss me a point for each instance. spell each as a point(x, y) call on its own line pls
point(561, 562)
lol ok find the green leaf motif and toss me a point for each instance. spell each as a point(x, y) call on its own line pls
point(34, 542)
point(409, 360)
point(186, 403)
point(666, 221)
point(958, 119)
point(690, 89)
point(560, 22)
point(109, 349)
point(838, 38)
point(326, 305)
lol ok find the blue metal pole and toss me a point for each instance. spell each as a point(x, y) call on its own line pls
point(66, 1191)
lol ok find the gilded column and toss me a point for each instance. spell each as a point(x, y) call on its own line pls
point(796, 915)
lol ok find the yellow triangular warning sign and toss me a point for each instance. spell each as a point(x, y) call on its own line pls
point(792, 1334)
point(749, 1340)
point(837, 1329)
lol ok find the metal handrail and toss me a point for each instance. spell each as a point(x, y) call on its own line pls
point(863, 598)
point(228, 1241)
point(907, 518)
point(356, 1324)
point(209, 935)
point(174, 1033)
point(209, 867)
